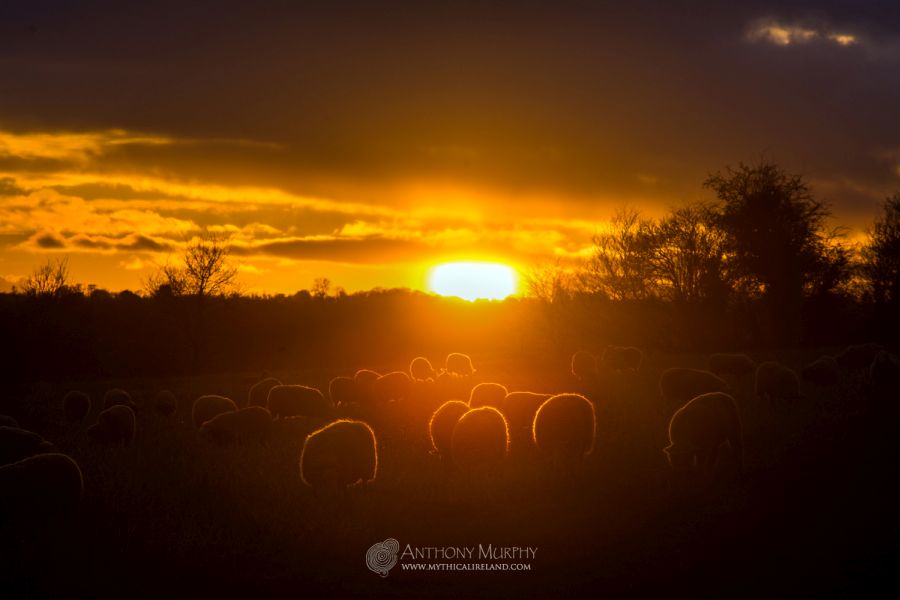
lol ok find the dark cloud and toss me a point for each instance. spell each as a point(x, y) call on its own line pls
point(49, 241)
point(9, 187)
point(374, 250)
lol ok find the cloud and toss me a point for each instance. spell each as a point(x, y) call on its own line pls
point(786, 34)
point(47, 240)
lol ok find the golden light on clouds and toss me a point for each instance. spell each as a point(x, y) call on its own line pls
point(473, 280)
point(782, 34)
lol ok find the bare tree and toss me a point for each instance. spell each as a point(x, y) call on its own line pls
point(207, 271)
point(48, 279)
point(620, 266)
point(881, 256)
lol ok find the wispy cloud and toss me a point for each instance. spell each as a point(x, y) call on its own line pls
point(780, 33)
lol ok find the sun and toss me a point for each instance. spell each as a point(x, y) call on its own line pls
point(473, 280)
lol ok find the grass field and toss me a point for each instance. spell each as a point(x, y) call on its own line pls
point(174, 515)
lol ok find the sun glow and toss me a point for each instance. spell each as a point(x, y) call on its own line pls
point(473, 280)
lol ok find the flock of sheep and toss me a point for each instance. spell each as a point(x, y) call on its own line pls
point(472, 425)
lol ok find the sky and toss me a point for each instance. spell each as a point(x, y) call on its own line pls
point(368, 141)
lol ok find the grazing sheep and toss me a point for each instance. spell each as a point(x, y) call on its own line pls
point(165, 403)
point(859, 356)
point(16, 444)
point(481, 437)
point(299, 401)
point(76, 406)
point(459, 364)
point(259, 392)
point(391, 386)
point(884, 372)
point(7, 421)
point(564, 425)
point(40, 486)
point(365, 380)
point(420, 369)
point(251, 424)
point(823, 371)
point(487, 394)
point(584, 366)
point(118, 396)
point(678, 385)
point(519, 408)
point(775, 381)
point(622, 358)
point(341, 454)
point(207, 407)
point(736, 365)
point(441, 425)
point(699, 428)
point(115, 425)
point(342, 391)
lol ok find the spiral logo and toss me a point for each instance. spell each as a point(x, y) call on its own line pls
point(382, 556)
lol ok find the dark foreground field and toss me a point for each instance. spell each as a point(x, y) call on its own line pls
point(174, 516)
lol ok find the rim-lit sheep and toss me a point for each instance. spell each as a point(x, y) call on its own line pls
point(117, 396)
point(680, 385)
point(420, 369)
point(16, 444)
point(299, 401)
point(565, 426)
point(342, 391)
point(40, 486)
point(487, 394)
point(165, 403)
point(584, 366)
point(339, 455)
point(259, 392)
point(441, 425)
point(736, 365)
point(459, 364)
point(519, 409)
point(823, 371)
point(776, 382)
point(247, 425)
point(209, 406)
point(622, 358)
point(699, 428)
point(858, 356)
point(365, 380)
point(7, 421)
point(480, 438)
point(76, 406)
point(394, 386)
point(115, 425)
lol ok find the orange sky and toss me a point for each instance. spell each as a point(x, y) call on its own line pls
point(366, 145)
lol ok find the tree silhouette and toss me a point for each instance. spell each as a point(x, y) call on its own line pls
point(207, 271)
point(881, 256)
point(620, 266)
point(49, 279)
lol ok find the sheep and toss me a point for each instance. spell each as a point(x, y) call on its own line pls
point(736, 365)
point(259, 391)
point(115, 425)
point(342, 391)
point(76, 406)
point(859, 356)
point(565, 425)
point(16, 444)
point(459, 364)
point(775, 381)
point(341, 454)
point(487, 394)
point(118, 396)
point(519, 408)
point(699, 428)
point(365, 380)
point(884, 372)
point(420, 369)
point(7, 421)
point(40, 486)
point(622, 358)
point(584, 366)
point(299, 401)
point(391, 386)
point(679, 385)
point(165, 403)
point(251, 424)
point(823, 371)
point(207, 407)
point(441, 425)
point(481, 437)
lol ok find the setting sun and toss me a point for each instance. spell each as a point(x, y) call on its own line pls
point(473, 280)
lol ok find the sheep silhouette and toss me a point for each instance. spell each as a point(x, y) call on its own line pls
point(680, 385)
point(420, 369)
point(117, 396)
point(259, 392)
point(459, 364)
point(343, 453)
point(115, 425)
point(17, 444)
point(564, 425)
point(584, 366)
point(441, 425)
point(209, 406)
point(298, 401)
point(622, 358)
point(480, 438)
point(824, 371)
point(487, 394)
point(699, 428)
point(251, 424)
point(165, 403)
point(38, 487)
point(776, 382)
point(342, 391)
point(76, 406)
